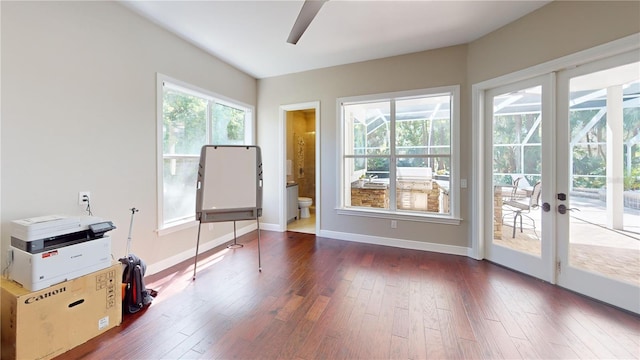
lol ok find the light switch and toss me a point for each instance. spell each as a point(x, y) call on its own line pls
point(463, 183)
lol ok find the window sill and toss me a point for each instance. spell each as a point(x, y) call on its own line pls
point(177, 226)
point(383, 214)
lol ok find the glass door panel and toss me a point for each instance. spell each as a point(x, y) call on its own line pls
point(519, 117)
point(517, 166)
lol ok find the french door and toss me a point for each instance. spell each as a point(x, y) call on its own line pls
point(598, 147)
point(518, 119)
point(565, 178)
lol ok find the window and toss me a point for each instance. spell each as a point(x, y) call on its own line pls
point(188, 119)
point(399, 153)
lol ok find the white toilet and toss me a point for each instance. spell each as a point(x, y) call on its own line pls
point(303, 204)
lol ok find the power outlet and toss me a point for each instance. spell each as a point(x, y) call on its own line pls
point(81, 195)
point(394, 224)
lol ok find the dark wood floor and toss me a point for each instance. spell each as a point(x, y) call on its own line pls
point(329, 299)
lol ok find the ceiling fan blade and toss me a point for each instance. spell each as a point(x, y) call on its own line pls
point(308, 12)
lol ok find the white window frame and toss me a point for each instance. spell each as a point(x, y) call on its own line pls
point(250, 139)
point(453, 218)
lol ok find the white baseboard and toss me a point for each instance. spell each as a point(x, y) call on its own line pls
point(188, 254)
point(472, 253)
point(399, 243)
point(270, 227)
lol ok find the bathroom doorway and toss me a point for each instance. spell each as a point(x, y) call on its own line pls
point(301, 154)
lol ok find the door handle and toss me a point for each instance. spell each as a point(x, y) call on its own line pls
point(546, 207)
point(562, 209)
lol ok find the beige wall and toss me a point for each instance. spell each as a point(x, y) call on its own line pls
point(555, 30)
point(79, 113)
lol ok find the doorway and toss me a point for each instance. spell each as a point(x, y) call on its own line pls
point(562, 183)
point(301, 158)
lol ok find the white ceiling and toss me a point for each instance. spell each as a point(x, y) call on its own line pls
point(251, 35)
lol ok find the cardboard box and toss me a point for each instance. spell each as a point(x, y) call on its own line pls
point(46, 323)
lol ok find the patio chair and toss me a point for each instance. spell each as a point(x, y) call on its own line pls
point(517, 189)
point(521, 208)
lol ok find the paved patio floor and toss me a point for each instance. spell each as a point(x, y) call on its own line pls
point(593, 246)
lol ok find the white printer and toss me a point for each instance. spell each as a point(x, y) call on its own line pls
point(51, 249)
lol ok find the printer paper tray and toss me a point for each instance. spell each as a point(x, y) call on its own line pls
point(38, 271)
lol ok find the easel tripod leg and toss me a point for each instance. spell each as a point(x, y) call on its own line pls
point(235, 245)
point(195, 264)
point(259, 257)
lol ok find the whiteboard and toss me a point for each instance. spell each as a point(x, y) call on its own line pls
point(229, 185)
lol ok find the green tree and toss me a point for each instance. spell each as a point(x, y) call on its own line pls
point(184, 123)
point(228, 124)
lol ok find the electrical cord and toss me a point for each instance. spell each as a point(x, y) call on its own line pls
point(5, 270)
point(88, 201)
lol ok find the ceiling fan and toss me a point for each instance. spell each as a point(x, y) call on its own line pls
point(308, 12)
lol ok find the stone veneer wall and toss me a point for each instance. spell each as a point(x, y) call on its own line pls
point(376, 198)
point(497, 214)
point(410, 196)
